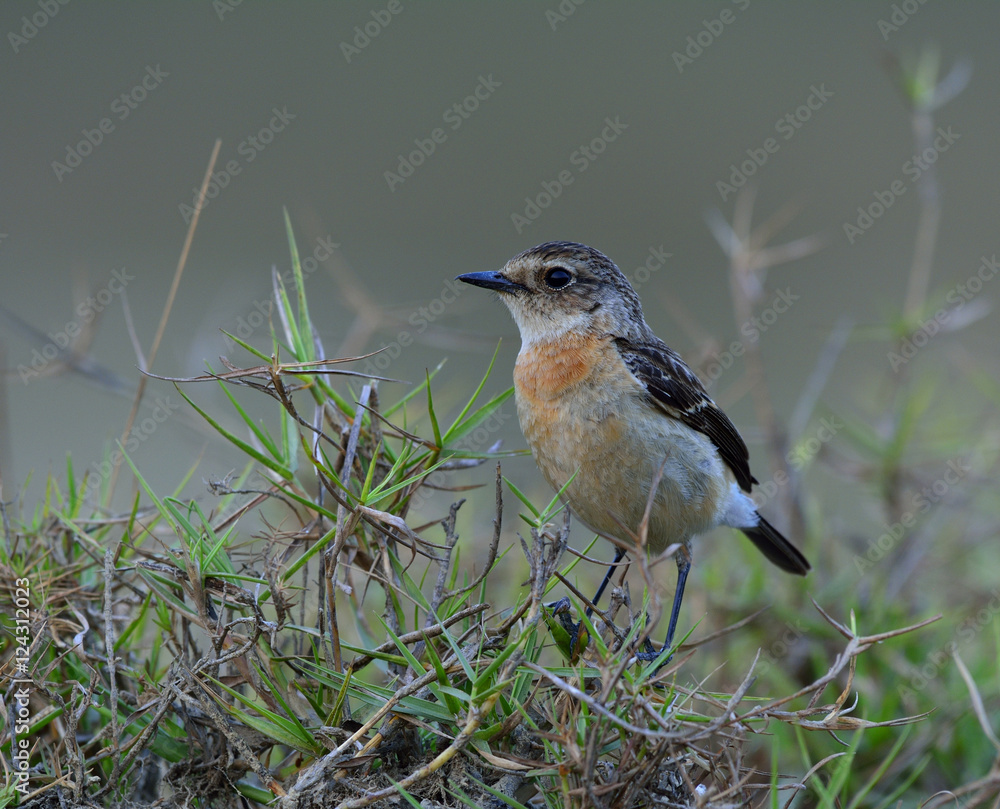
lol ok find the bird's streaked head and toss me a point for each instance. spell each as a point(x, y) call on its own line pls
point(561, 287)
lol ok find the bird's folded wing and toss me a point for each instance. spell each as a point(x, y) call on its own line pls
point(673, 388)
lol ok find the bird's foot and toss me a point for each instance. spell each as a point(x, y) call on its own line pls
point(577, 632)
point(649, 655)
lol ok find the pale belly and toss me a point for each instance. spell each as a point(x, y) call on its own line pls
point(616, 446)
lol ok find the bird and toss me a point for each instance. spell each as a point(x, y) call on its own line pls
point(608, 409)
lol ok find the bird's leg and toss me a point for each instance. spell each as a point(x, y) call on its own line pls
point(683, 559)
point(619, 555)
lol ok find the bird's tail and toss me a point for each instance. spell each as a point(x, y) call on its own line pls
point(776, 548)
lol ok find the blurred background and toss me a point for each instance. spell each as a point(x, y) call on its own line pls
point(320, 108)
point(413, 142)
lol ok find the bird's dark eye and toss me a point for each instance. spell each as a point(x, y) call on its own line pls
point(558, 277)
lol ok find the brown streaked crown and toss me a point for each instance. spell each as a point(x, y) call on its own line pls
point(569, 280)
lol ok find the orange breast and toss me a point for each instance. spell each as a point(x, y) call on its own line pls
point(569, 407)
point(584, 417)
point(545, 371)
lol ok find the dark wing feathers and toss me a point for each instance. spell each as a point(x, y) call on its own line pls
point(674, 388)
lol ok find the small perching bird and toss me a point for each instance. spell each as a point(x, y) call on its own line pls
point(604, 402)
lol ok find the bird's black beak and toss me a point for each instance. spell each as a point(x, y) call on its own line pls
point(490, 280)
